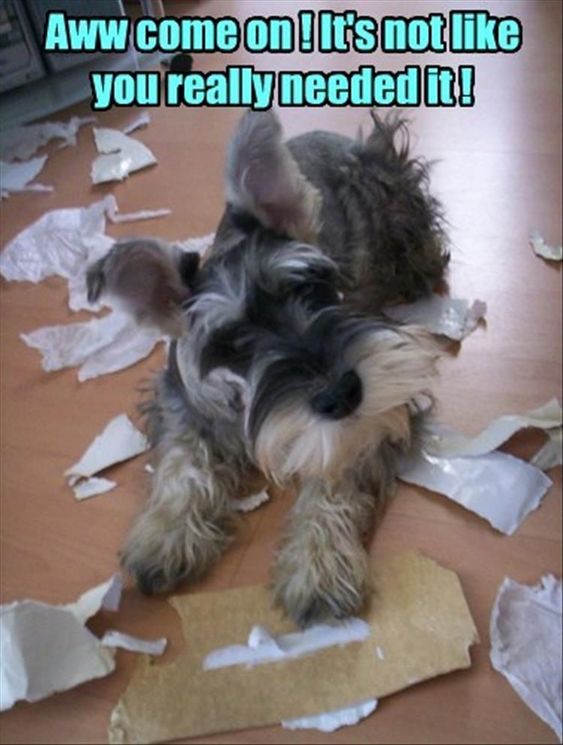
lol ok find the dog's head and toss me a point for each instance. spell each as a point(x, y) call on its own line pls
point(270, 340)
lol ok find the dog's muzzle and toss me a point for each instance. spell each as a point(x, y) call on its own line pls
point(341, 399)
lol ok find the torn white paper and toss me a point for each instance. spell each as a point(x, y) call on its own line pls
point(119, 441)
point(20, 143)
point(92, 487)
point(496, 486)
point(120, 156)
point(247, 504)
point(447, 443)
point(527, 644)
point(140, 120)
point(47, 648)
point(99, 346)
point(63, 242)
point(119, 640)
point(451, 317)
point(263, 647)
point(550, 454)
point(330, 721)
point(543, 249)
point(16, 177)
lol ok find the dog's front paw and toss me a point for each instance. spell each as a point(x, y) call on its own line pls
point(161, 552)
point(313, 591)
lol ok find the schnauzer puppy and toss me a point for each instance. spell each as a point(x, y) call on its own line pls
point(280, 363)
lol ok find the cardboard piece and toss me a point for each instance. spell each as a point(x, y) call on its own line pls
point(418, 617)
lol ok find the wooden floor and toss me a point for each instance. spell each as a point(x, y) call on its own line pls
point(499, 174)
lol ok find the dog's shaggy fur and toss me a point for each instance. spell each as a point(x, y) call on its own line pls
point(281, 363)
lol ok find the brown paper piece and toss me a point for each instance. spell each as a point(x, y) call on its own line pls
point(419, 620)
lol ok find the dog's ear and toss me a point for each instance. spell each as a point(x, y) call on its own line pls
point(263, 180)
point(150, 278)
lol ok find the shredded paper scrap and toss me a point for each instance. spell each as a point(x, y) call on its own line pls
point(527, 644)
point(470, 471)
point(47, 648)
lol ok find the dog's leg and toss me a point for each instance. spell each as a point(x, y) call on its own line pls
point(322, 570)
point(186, 524)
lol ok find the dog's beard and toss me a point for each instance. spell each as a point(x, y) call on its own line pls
point(395, 367)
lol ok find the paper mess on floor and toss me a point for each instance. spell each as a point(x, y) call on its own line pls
point(451, 317)
point(119, 441)
point(418, 615)
point(47, 648)
point(543, 249)
point(20, 143)
point(527, 644)
point(496, 486)
point(18, 176)
point(119, 156)
point(330, 721)
point(64, 243)
point(97, 347)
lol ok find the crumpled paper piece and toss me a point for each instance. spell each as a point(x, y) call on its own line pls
point(140, 120)
point(263, 647)
point(16, 177)
point(120, 440)
point(496, 486)
point(47, 648)
point(419, 616)
point(20, 143)
point(527, 644)
point(97, 347)
point(65, 243)
point(447, 442)
point(330, 721)
point(119, 156)
point(451, 317)
point(91, 487)
point(543, 249)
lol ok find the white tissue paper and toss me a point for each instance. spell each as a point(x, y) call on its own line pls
point(527, 644)
point(91, 487)
point(330, 721)
point(119, 156)
point(262, 647)
point(16, 177)
point(451, 317)
point(65, 242)
point(47, 648)
point(496, 486)
point(20, 143)
point(100, 346)
point(118, 640)
point(247, 504)
point(543, 249)
point(119, 441)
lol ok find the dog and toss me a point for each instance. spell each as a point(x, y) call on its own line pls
point(281, 364)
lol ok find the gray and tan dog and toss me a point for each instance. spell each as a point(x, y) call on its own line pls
point(281, 364)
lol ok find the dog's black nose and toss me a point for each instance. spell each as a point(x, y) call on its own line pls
point(341, 399)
